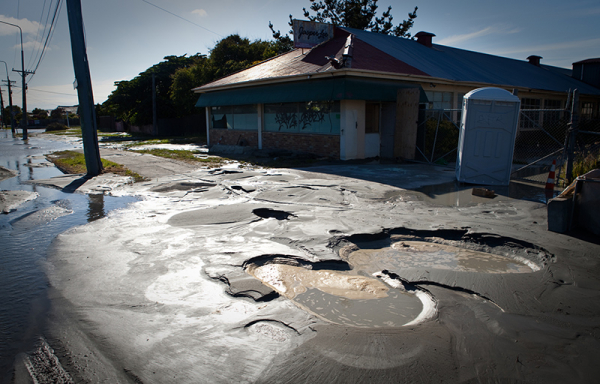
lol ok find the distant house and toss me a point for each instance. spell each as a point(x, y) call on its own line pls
point(358, 95)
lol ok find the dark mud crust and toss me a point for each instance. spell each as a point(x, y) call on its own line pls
point(460, 238)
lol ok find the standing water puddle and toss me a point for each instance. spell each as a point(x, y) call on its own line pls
point(421, 254)
point(368, 295)
point(26, 233)
point(343, 298)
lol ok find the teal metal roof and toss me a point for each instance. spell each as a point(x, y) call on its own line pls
point(339, 88)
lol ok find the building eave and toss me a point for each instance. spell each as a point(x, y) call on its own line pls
point(349, 72)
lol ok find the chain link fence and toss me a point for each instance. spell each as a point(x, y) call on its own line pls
point(586, 147)
point(540, 141)
point(437, 135)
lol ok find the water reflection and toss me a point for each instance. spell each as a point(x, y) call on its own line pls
point(95, 208)
point(25, 235)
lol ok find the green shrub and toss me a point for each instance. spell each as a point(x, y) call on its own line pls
point(583, 165)
point(56, 127)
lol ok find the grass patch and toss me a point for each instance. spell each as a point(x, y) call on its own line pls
point(186, 156)
point(73, 162)
point(137, 139)
point(140, 141)
point(583, 165)
point(73, 131)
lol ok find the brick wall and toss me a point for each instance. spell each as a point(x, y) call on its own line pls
point(233, 137)
point(322, 145)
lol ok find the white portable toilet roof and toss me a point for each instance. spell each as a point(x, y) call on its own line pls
point(491, 93)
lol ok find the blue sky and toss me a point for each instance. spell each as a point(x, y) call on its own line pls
point(125, 37)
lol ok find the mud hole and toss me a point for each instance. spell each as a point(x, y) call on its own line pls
point(339, 296)
point(365, 288)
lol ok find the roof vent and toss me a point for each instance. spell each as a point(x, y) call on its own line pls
point(535, 60)
point(425, 38)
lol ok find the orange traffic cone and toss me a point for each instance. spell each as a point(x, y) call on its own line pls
point(551, 177)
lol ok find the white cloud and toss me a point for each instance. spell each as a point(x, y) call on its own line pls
point(31, 45)
point(28, 27)
point(200, 12)
point(491, 30)
point(567, 45)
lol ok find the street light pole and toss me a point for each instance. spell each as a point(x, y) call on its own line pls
point(12, 116)
point(23, 76)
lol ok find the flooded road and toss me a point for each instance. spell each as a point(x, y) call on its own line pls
point(25, 234)
point(268, 275)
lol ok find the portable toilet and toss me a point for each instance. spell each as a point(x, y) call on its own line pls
point(487, 135)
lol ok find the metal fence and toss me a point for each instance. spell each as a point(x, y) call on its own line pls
point(544, 136)
point(437, 135)
point(586, 146)
point(540, 140)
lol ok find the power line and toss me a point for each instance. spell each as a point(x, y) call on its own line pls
point(49, 36)
point(182, 18)
point(37, 36)
point(38, 46)
point(56, 93)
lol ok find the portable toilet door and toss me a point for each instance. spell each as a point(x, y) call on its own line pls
point(486, 141)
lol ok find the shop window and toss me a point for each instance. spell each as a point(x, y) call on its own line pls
point(439, 100)
point(530, 116)
point(588, 110)
point(239, 117)
point(308, 117)
point(372, 117)
point(552, 116)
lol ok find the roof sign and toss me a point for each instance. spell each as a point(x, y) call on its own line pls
point(307, 34)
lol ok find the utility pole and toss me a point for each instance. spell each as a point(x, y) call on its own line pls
point(1, 109)
point(84, 90)
point(13, 124)
point(24, 74)
point(10, 105)
point(154, 120)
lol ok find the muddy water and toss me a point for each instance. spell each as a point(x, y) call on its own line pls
point(420, 254)
point(342, 297)
point(367, 295)
point(26, 233)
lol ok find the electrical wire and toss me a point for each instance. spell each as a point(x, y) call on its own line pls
point(56, 93)
point(182, 18)
point(37, 36)
point(49, 36)
point(38, 39)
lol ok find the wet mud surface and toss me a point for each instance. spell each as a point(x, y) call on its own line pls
point(291, 276)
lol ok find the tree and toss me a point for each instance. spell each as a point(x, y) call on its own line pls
point(39, 114)
point(58, 113)
point(229, 55)
point(131, 101)
point(17, 112)
point(235, 53)
point(185, 79)
point(358, 14)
